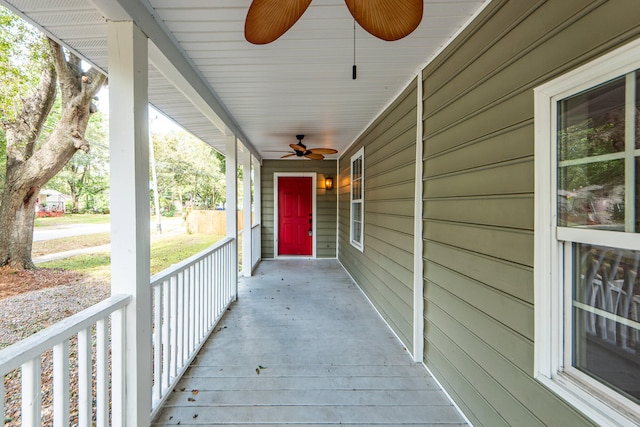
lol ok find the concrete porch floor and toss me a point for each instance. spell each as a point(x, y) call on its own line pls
point(303, 346)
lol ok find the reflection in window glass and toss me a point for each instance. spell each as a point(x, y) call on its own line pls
point(592, 195)
point(357, 213)
point(637, 145)
point(606, 311)
point(592, 123)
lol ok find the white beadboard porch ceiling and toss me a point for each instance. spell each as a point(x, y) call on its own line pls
point(299, 84)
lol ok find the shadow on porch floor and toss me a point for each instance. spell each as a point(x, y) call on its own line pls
point(302, 346)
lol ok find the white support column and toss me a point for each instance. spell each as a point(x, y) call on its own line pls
point(257, 207)
point(129, 151)
point(257, 191)
point(231, 162)
point(246, 212)
point(418, 283)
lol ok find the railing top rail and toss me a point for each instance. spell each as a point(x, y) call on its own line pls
point(158, 278)
point(31, 347)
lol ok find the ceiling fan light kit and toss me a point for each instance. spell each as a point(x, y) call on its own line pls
point(301, 150)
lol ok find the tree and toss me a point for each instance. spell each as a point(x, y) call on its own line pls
point(23, 113)
point(86, 176)
point(188, 170)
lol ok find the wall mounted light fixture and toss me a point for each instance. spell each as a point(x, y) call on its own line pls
point(328, 183)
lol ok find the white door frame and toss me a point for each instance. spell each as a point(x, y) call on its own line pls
point(276, 220)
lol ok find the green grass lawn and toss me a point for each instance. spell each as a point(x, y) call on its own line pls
point(73, 219)
point(63, 244)
point(164, 253)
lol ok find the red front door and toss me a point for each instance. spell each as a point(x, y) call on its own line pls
point(294, 216)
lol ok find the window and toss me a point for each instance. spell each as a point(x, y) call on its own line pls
point(357, 200)
point(587, 256)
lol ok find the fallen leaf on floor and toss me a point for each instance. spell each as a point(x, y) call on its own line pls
point(195, 416)
point(194, 392)
point(182, 389)
point(258, 371)
point(262, 367)
point(190, 399)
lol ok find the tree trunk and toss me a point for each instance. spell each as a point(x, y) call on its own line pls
point(29, 169)
point(17, 218)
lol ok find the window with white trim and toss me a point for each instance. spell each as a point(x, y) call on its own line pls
point(587, 256)
point(357, 200)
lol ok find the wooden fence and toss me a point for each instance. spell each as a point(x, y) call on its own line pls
point(210, 222)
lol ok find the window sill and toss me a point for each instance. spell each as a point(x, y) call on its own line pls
point(357, 246)
point(596, 405)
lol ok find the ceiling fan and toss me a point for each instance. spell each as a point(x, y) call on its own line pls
point(388, 20)
point(301, 150)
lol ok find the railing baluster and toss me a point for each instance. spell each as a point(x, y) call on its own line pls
point(210, 289)
point(118, 341)
point(2, 396)
point(61, 384)
point(188, 316)
point(102, 373)
point(196, 302)
point(181, 314)
point(166, 331)
point(203, 316)
point(157, 344)
point(31, 395)
point(84, 378)
point(175, 310)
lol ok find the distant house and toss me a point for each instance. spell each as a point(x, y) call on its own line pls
point(51, 203)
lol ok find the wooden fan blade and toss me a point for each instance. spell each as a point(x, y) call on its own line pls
point(387, 19)
point(314, 156)
point(269, 19)
point(288, 155)
point(323, 150)
point(297, 147)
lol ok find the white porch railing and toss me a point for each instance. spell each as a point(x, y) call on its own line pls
point(256, 250)
point(188, 300)
point(27, 355)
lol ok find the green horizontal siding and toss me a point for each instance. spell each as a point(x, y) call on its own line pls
point(478, 200)
point(384, 270)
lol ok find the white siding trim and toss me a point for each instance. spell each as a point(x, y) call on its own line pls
point(314, 177)
point(418, 285)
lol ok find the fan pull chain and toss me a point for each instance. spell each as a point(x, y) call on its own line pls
point(354, 71)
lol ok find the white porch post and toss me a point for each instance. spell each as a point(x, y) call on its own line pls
point(231, 155)
point(129, 151)
point(246, 212)
point(418, 282)
point(257, 205)
point(257, 190)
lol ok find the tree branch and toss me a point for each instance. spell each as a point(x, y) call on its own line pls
point(23, 132)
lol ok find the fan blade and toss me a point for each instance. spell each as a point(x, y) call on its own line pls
point(314, 156)
point(387, 19)
point(323, 150)
point(288, 155)
point(297, 147)
point(269, 19)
